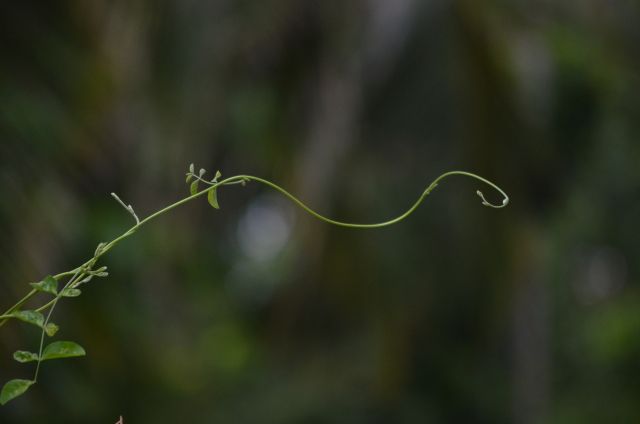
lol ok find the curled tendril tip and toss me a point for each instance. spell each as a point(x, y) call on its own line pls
point(505, 201)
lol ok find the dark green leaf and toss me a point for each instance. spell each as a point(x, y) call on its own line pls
point(14, 388)
point(32, 317)
point(69, 292)
point(193, 188)
point(24, 356)
point(51, 329)
point(57, 350)
point(48, 285)
point(213, 198)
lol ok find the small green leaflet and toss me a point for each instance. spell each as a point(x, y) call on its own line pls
point(48, 285)
point(32, 317)
point(212, 197)
point(57, 350)
point(24, 356)
point(37, 319)
point(69, 292)
point(51, 329)
point(14, 388)
point(193, 188)
point(86, 279)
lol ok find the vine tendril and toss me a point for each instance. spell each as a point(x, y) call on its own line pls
point(85, 272)
point(399, 218)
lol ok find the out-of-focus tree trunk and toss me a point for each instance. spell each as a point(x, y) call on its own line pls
point(530, 330)
point(494, 122)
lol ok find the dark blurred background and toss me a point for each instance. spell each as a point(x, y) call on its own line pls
point(259, 314)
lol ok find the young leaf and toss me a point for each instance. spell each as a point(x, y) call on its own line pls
point(32, 317)
point(218, 175)
point(192, 168)
point(86, 279)
point(48, 285)
point(213, 198)
point(14, 388)
point(193, 188)
point(69, 292)
point(57, 350)
point(51, 329)
point(99, 248)
point(189, 176)
point(24, 356)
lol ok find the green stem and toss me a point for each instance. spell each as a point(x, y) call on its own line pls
point(20, 302)
point(426, 192)
point(76, 277)
point(240, 179)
